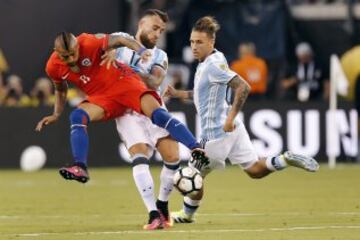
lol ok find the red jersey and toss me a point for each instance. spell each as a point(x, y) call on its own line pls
point(114, 89)
point(92, 78)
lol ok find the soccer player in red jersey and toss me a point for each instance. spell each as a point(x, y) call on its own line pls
point(110, 92)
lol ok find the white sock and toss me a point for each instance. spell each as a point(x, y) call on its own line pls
point(276, 163)
point(190, 206)
point(166, 180)
point(145, 185)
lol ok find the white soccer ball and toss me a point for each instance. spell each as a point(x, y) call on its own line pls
point(188, 181)
point(33, 158)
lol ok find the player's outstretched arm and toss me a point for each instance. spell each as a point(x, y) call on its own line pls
point(242, 90)
point(116, 41)
point(171, 92)
point(60, 100)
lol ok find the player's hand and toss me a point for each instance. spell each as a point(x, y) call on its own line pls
point(229, 125)
point(46, 121)
point(108, 58)
point(145, 55)
point(169, 92)
point(136, 69)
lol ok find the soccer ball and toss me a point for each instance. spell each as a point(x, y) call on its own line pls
point(32, 159)
point(188, 181)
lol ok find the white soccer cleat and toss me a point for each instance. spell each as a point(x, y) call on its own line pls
point(182, 217)
point(301, 161)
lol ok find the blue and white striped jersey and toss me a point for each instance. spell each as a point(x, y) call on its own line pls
point(131, 58)
point(210, 94)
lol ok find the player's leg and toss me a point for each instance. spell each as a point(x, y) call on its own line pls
point(169, 151)
point(145, 183)
point(217, 150)
point(79, 120)
point(178, 131)
point(190, 206)
point(265, 166)
point(132, 129)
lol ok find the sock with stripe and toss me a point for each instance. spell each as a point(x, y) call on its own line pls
point(276, 163)
point(79, 138)
point(166, 180)
point(177, 130)
point(190, 206)
point(144, 181)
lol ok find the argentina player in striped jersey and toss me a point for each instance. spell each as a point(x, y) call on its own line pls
point(139, 134)
point(222, 134)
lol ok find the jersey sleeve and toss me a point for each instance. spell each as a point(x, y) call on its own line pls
point(94, 40)
point(161, 60)
point(53, 72)
point(219, 72)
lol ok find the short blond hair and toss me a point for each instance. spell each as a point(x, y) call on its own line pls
point(207, 24)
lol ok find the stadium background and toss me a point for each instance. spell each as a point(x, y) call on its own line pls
point(289, 205)
point(275, 27)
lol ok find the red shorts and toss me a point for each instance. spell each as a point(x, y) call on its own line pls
point(125, 95)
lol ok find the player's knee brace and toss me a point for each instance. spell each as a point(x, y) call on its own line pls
point(79, 118)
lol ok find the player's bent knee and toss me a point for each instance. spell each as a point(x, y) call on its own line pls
point(171, 158)
point(160, 117)
point(139, 148)
point(149, 104)
point(79, 117)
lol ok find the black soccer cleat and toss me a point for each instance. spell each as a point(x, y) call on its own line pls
point(199, 159)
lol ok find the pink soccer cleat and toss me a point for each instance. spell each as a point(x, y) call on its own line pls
point(154, 224)
point(74, 173)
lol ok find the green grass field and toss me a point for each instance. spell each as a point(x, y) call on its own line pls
point(291, 204)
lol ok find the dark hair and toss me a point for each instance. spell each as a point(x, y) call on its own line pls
point(155, 12)
point(65, 39)
point(208, 25)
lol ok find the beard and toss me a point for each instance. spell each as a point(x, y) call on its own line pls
point(72, 64)
point(146, 41)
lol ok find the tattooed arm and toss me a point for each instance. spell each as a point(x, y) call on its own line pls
point(242, 89)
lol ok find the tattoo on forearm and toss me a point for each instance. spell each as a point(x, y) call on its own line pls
point(242, 91)
point(119, 41)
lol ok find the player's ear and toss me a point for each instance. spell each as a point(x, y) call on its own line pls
point(141, 22)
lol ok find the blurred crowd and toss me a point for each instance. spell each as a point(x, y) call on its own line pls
point(12, 93)
point(306, 80)
point(297, 2)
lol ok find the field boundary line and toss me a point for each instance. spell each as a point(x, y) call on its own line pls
point(128, 232)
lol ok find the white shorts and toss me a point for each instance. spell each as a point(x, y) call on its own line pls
point(135, 128)
point(236, 147)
